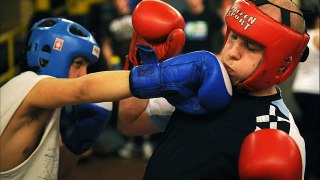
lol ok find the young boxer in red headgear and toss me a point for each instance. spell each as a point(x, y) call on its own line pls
point(265, 40)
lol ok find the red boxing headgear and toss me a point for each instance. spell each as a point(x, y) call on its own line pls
point(283, 47)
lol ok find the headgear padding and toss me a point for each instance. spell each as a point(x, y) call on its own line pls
point(280, 44)
point(55, 42)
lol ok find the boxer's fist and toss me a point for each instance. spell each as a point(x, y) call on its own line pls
point(270, 154)
point(80, 125)
point(158, 25)
point(194, 83)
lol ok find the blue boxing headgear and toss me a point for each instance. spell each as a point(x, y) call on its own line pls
point(54, 43)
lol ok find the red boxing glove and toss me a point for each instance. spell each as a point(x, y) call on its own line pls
point(158, 25)
point(270, 154)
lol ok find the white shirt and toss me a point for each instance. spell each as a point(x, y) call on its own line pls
point(43, 162)
point(307, 75)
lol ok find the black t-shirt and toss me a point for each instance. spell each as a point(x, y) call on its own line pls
point(203, 31)
point(207, 147)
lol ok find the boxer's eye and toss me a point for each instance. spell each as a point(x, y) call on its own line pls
point(252, 46)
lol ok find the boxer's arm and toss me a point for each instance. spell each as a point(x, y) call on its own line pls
point(67, 161)
point(96, 87)
point(143, 117)
point(133, 119)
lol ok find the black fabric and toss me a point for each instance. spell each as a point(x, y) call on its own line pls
point(208, 35)
point(309, 106)
point(285, 16)
point(260, 2)
point(207, 147)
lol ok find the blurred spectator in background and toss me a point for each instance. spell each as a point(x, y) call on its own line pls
point(113, 28)
point(118, 33)
point(203, 27)
point(306, 92)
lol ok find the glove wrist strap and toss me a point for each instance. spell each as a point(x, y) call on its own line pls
point(145, 81)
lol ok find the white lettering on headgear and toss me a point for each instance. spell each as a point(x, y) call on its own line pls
point(244, 19)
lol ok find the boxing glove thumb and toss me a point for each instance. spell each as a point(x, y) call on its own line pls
point(174, 44)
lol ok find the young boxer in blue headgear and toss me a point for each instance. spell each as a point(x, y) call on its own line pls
point(73, 50)
point(63, 49)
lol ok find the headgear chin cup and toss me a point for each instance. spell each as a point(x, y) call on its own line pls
point(53, 44)
point(283, 47)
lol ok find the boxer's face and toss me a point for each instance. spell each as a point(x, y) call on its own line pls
point(78, 67)
point(241, 57)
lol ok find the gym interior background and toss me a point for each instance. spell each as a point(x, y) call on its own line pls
point(15, 17)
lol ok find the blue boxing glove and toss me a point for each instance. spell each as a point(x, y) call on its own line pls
point(195, 83)
point(80, 125)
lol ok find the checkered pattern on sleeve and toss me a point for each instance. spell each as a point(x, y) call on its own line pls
point(272, 119)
